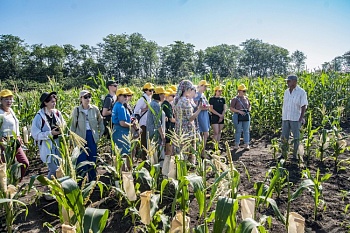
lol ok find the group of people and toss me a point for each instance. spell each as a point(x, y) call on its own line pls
point(183, 109)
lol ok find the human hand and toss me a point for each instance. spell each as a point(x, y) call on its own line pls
point(241, 112)
point(55, 131)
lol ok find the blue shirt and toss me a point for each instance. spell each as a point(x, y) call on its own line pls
point(120, 113)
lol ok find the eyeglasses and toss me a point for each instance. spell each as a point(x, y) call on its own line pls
point(87, 96)
point(8, 100)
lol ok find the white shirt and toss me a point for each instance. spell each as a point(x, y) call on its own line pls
point(292, 103)
point(10, 124)
point(85, 111)
point(140, 105)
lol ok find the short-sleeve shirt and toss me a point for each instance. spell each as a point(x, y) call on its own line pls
point(108, 103)
point(218, 103)
point(119, 113)
point(183, 112)
point(168, 110)
point(240, 105)
point(292, 103)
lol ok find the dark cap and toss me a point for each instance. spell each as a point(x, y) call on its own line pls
point(111, 82)
point(44, 96)
point(292, 77)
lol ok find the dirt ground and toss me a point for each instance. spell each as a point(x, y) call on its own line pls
point(257, 161)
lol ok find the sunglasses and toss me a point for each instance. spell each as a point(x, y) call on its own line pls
point(244, 91)
point(115, 85)
point(125, 96)
point(87, 97)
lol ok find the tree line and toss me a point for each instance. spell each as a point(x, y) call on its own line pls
point(129, 57)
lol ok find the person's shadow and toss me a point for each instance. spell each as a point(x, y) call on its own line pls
point(237, 153)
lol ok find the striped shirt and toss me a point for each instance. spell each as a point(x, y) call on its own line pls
point(292, 103)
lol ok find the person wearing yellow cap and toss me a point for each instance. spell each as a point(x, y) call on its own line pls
point(140, 112)
point(218, 109)
point(203, 117)
point(170, 122)
point(156, 118)
point(240, 106)
point(121, 120)
point(10, 125)
point(127, 105)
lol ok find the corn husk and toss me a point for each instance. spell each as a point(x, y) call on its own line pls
point(128, 185)
point(68, 229)
point(165, 168)
point(59, 173)
point(177, 223)
point(66, 218)
point(296, 223)
point(25, 135)
point(145, 207)
point(11, 192)
point(172, 168)
point(3, 177)
point(247, 208)
point(301, 150)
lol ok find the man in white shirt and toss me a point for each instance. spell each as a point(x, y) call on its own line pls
point(140, 112)
point(293, 110)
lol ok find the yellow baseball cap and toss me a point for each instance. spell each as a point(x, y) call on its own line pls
point(130, 92)
point(242, 87)
point(203, 83)
point(173, 87)
point(218, 88)
point(148, 86)
point(160, 90)
point(121, 91)
point(5, 93)
point(170, 92)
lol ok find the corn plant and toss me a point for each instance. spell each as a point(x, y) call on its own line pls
point(315, 183)
point(309, 137)
point(277, 177)
point(72, 201)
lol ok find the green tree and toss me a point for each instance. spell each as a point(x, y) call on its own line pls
point(13, 53)
point(223, 59)
point(298, 61)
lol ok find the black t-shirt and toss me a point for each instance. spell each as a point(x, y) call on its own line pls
point(108, 103)
point(52, 122)
point(218, 103)
point(168, 110)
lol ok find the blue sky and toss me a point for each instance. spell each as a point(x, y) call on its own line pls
point(318, 28)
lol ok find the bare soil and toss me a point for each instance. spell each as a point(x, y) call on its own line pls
point(257, 161)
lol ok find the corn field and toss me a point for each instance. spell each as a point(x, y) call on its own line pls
point(156, 202)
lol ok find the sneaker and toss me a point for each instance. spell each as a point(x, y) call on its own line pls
point(246, 147)
point(236, 147)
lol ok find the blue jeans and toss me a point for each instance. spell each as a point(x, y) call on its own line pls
point(91, 148)
point(239, 127)
point(53, 165)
